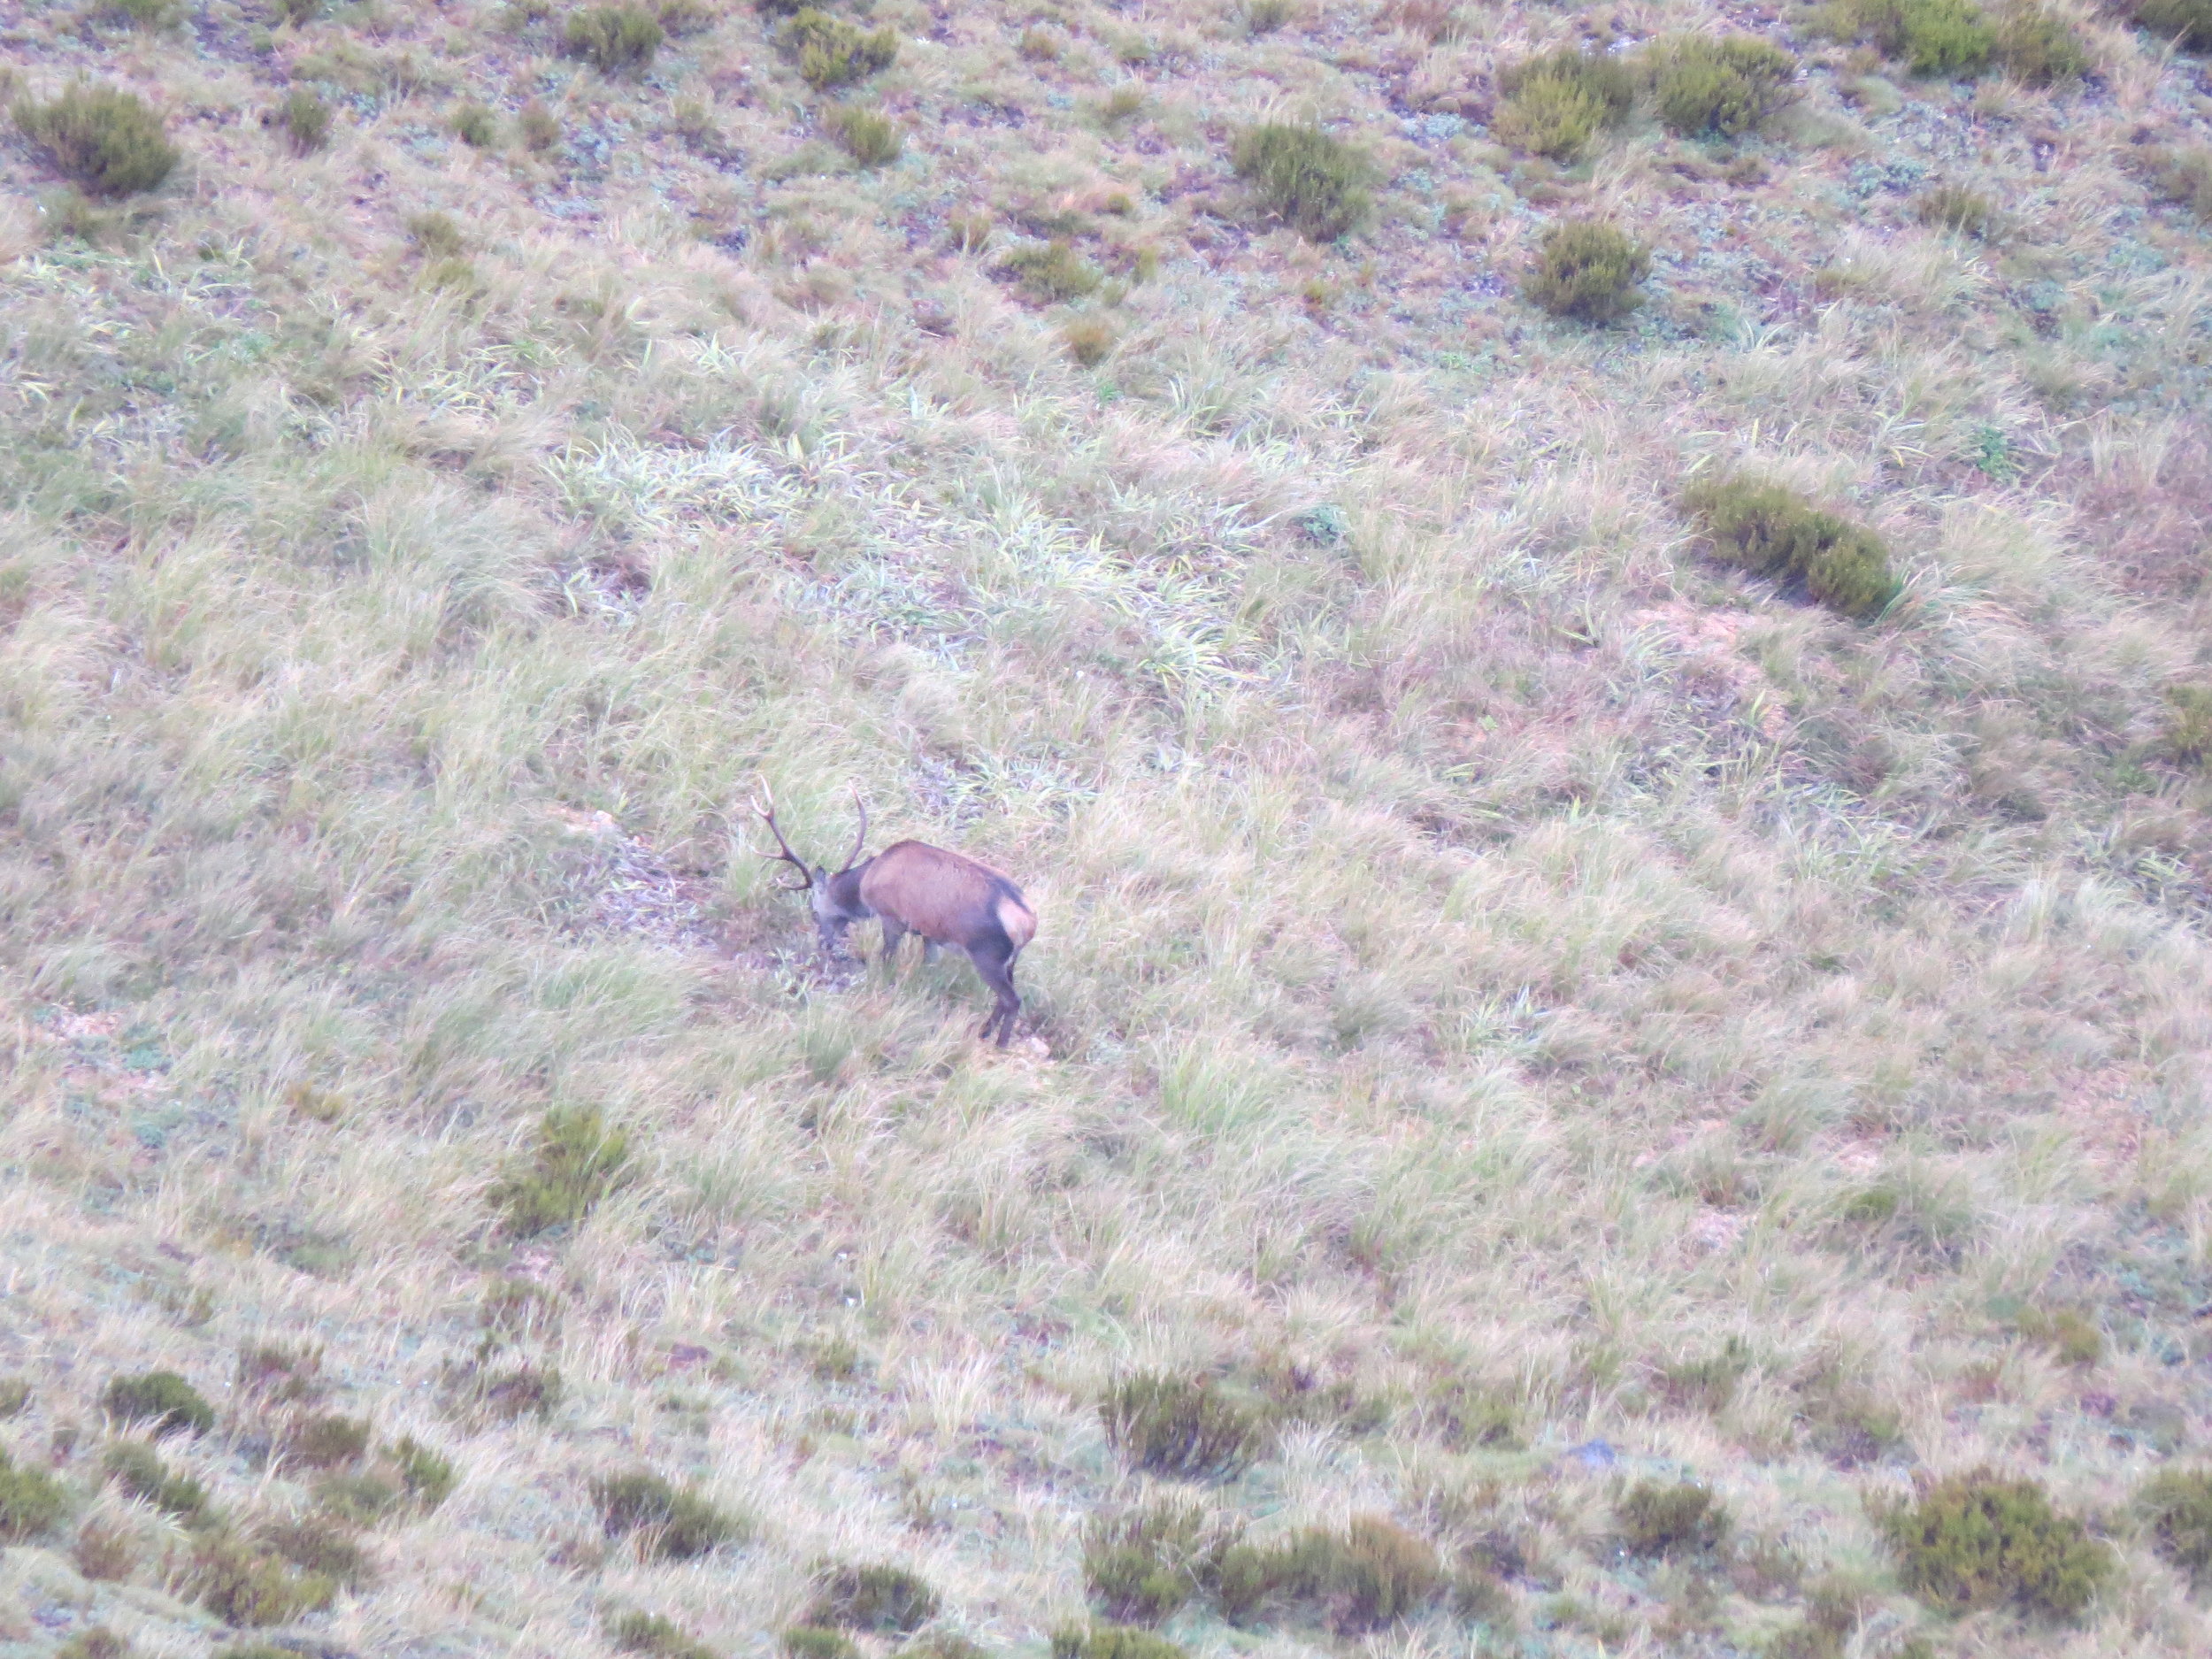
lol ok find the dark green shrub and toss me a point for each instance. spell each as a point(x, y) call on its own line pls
point(321, 1548)
point(304, 120)
point(1931, 37)
point(2186, 21)
point(882, 1599)
point(139, 1470)
point(108, 142)
point(1359, 1579)
point(811, 1641)
point(1588, 271)
point(1179, 1426)
point(2177, 1506)
point(30, 1501)
point(670, 1523)
point(243, 1585)
point(428, 1475)
point(1055, 271)
point(1317, 184)
point(1962, 211)
point(613, 37)
point(650, 1634)
point(1555, 104)
point(1112, 1641)
point(1726, 86)
point(476, 126)
point(327, 1441)
point(161, 1399)
point(832, 52)
point(1776, 531)
point(869, 136)
point(577, 1161)
point(2039, 47)
point(1142, 1566)
point(1978, 1541)
point(1670, 1518)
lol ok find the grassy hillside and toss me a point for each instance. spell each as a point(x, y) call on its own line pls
point(1597, 667)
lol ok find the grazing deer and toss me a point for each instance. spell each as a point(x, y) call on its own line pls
point(913, 888)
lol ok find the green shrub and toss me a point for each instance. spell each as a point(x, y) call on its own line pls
point(1112, 1641)
point(304, 120)
point(577, 1161)
point(1142, 1566)
point(2186, 21)
point(1962, 211)
point(1179, 1426)
point(1364, 1578)
point(1774, 531)
point(327, 1441)
point(108, 142)
point(161, 1399)
point(613, 37)
point(835, 53)
point(1055, 271)
point(2177, 1505)
point(243, 1585)
point(1726, 86)
point(359, 1500)
point(1588, 271)
point(139, 1470)
point(1317, 184)
point(476, 126)
point(869, 136)
point(428, 1475)
point(30, 1501)
point(320, 1547)
point(1088, 339)
point(670, 1523)
point(1670, 1518)
point(2038, 48)
point(1931, 37)
point(882, 1599)
point(1977, 1540)
point(1556, 103)
point(650, 1634)
point(811, 1641)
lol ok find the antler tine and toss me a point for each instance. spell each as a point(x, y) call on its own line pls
point(861, 840)
point(765, 809)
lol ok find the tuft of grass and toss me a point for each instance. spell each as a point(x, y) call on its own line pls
point(429, 1475)
point(1318, 184)
point(326, 1441)
point(1089, 340)
point(878, 1598)
point(2184, 175)
point(539, 128)
point(869, 136)
point(321, 1546)
point(476, 125)
point(303, 118)
point(576, 1162)
point(15, 1394)
point(107, 141)
point(1181, 1427)
point(1962, 211)
point(138, 1470)
point(143, 14)
point(30, 1501)
point(639, 1631)
point(244, 1583)
point(2038, 47)
point(98, 1642)
point(436, 234)
point(832, 52)
point(1978, 1541)
point(2177, 1505)
point(1931, 37)
point(1265, 17)
point(160, 1399)
point(669, 1522)
point(2186, 22)
point(813, 1641)
point(1142, 1566)
point(1723, 86)
point(613, 38)
point(2187, 738)
point(1557, 104)
point(1589, 270)
point(1670, 1518)
point(2070, 1334)
point(1371, 1574)
point(1055, 270)
point(360, 1499)
point(1112, 1641)
point(1770, 529)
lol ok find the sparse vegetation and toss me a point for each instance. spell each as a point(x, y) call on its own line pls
point(1770, 529)
point(1557, 104)
point(815, 1641)
point(668, 1523)
point(2184, 174)
point(613, 38)
point(107, 141)
point(1317, 183)
point(577, 1158)
point(1978, 1540)
point(1589, 270)
point(1181, 1427)
point(162, 1400)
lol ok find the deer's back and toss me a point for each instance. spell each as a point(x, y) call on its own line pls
point(946, 896)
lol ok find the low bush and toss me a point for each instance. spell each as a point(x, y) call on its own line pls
point(304, 120)
point(244, 1585)
point(1670, 1518)
point(325, 1441)
point(1557, 104)
point(320, 1546)
point(1465, 1415)
point(1930, 37)
point(813, 1642)
point(670, 1523)
point(882, 1599)
point(30, 1501)
point(476, 126)
point(869, 136)
point(1361, 1579)
point(1179, 1426)
point(2038, 47)
point(2188, 22)
point(99, 1642)
point(1055, 270)
point(1588, 271)
point(359, 1500)
point(1112, 1641)
point(429, 1476)
point(1773, 531)
point(1962, 211)
point(1723, 86)
point(160, 1399)
point(109, 142)
point(2177, 1506)
point(612, 38)
point(1088, 339)
point(1978, 1541)
point(1142, 1566)
point(1316, 184)
point(650, 1634)
point(540, 127)
point(138, 1470)
point(577, 1160)
point(832, 52)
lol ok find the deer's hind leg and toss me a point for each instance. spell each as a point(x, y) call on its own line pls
point(994, 964)
point(894, 936)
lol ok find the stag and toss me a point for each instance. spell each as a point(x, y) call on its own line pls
point(913, 888)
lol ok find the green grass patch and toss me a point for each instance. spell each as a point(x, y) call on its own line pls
point(613, 38)
point(817, 1641)
point(877, 1598)
point(1112, 1641)
point(1977, 1541)
point(1088, 339)
point(30, 1501)
point(1705, 86)
point(832, 52)
point(1372, 1573)
point(1770, 529)
point(476, 125)
point(1317, 183)
point(576, 1162)
point(162, 1400)
point(651, 1633)
point(105, 140)
point(321, 1546)
point(1962, 211)
point(1951, 38)
point(869, 136)
point(244, 1583)
point(1588, 271)
point(1670, 1518)
point(2187, 22)
point(1142, 1566)
point(1184, 1428)
point(138, 1470)
point(669, 1522)
point(2038, 47)
point(326, 1441)
point(2175, 1506)
point(1557, 104)
point(303, 118)
point(429, 1475)
point(1055, 270)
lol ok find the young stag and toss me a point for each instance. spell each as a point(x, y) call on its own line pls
point(913, 888)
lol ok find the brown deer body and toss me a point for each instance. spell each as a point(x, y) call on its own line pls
point(913, 888)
